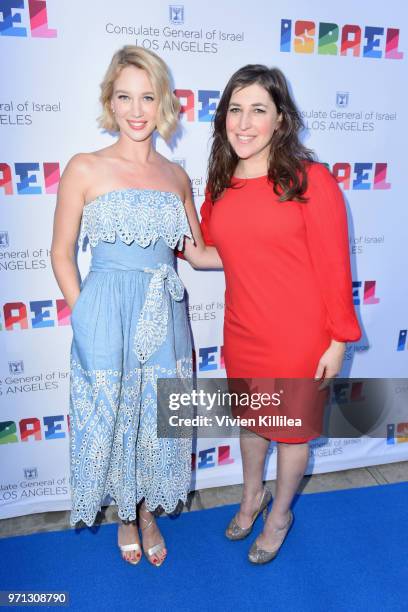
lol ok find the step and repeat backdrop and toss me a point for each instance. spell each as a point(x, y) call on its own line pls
point(346, 63)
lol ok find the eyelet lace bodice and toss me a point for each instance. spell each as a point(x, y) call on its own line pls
point(139, 215)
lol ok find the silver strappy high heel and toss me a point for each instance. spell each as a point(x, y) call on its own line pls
point(153, 550)
point(236, 532)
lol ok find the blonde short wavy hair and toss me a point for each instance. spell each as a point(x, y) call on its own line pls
point(169, 105)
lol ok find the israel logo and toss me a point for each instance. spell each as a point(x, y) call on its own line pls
point(342, 99)
point(4, 239)
point(30, 473)
point(181, 162)
point(176, 13)
point(16, 367)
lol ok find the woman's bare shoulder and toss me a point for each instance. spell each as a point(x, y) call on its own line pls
point(81, 163)
point(86, 168)
point(181, 177)
point(173, 176)
point(79, 174)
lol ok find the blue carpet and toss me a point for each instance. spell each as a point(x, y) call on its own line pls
point(347, 551)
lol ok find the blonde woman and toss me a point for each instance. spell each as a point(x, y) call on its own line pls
point(129, 316)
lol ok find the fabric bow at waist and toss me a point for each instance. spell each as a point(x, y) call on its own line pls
point(151, 328)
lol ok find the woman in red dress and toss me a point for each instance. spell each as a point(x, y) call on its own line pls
point(279, 224)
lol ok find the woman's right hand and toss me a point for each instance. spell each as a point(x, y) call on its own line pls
point(73, 304)
point(330, 363)
point(196, 252)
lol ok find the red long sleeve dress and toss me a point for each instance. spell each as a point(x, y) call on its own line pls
point(287, 273)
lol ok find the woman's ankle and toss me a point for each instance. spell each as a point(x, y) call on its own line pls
point(252, 495)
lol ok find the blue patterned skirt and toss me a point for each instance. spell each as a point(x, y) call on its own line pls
point(130, 327)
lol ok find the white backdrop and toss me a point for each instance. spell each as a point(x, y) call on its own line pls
point(53, 56)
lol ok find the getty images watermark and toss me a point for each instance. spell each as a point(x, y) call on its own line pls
point(223, 407)
point(216, 402)
point(283, 409)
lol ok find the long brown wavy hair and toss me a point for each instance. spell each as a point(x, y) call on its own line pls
point(288, 157)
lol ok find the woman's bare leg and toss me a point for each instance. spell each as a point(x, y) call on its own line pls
point(292, 461)
point(150, 533)
point(253, 453)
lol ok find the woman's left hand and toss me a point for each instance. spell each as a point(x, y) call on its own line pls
point(330, 363)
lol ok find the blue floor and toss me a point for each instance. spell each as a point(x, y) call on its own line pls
point(347, 551)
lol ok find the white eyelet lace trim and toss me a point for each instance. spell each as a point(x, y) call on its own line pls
point(142, 216)
point(114, 446)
